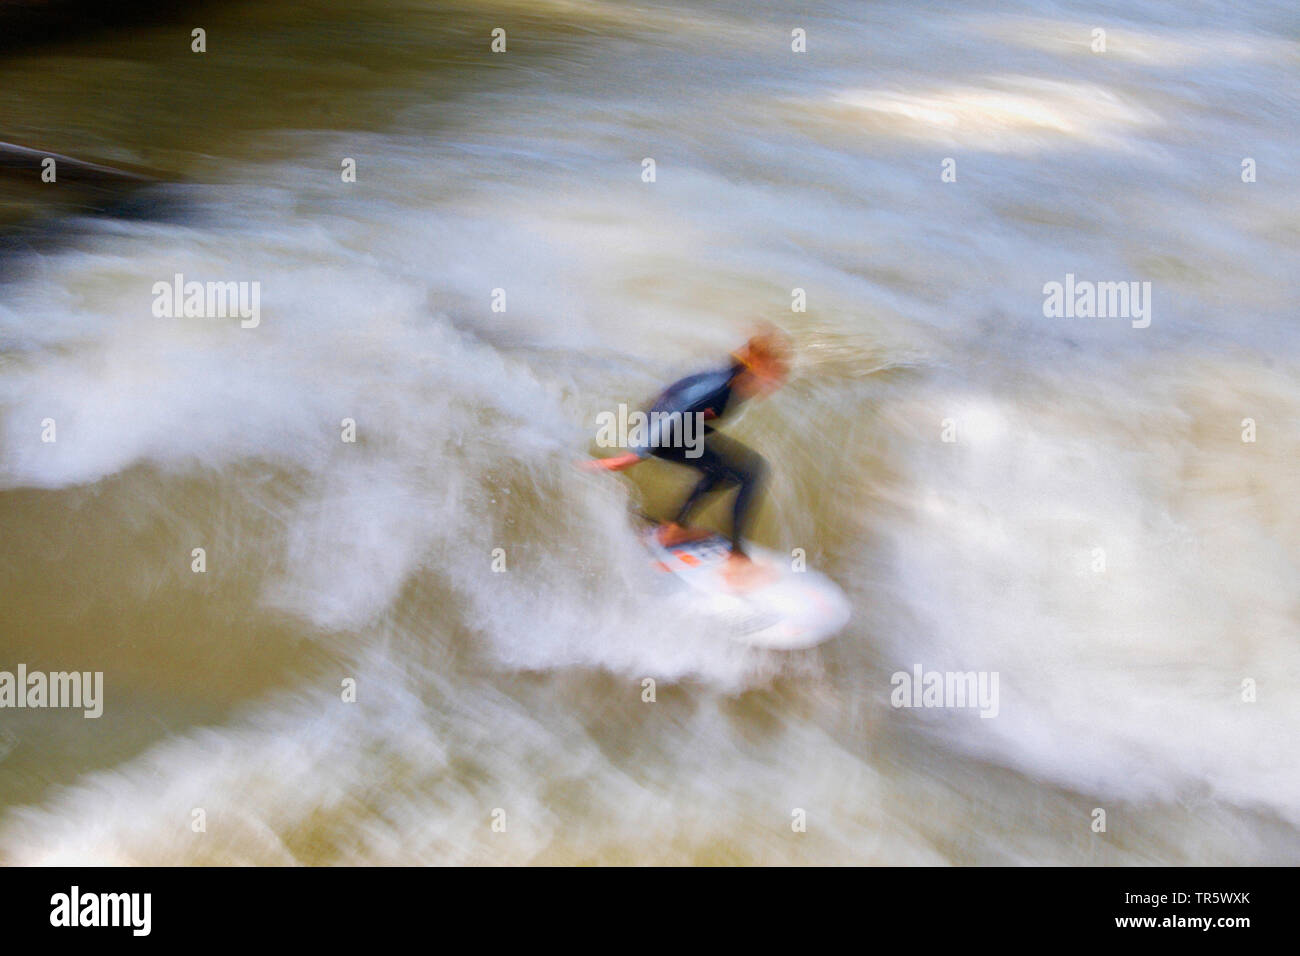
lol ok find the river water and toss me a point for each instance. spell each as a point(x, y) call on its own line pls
point(1098, 534)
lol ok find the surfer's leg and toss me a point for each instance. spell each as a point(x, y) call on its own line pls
point(711, 475)
point(742, 511)
point(746, 467)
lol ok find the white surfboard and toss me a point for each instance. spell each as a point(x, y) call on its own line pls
point(796, 609)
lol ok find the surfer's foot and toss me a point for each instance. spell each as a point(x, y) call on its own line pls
point(741, 573)
point(672, 533)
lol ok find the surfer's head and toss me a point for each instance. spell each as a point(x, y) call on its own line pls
point(765, 361)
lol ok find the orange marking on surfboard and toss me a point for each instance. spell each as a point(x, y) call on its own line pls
point(686, 558)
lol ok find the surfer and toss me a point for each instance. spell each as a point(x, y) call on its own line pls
point(757, 368)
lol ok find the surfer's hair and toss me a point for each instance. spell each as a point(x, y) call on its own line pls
point(768, 346)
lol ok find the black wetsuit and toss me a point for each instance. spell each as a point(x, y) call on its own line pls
point(721, 461)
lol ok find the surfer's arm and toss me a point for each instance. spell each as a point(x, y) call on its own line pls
point(617, 463)
point(705, 391)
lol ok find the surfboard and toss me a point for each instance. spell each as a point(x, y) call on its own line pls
point(796, 609)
